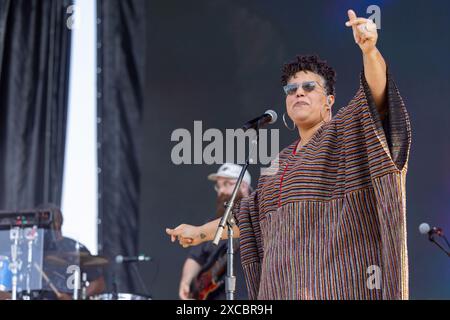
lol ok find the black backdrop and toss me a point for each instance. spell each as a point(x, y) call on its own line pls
point(219, 61)
point(121, 47)
point(34, 68)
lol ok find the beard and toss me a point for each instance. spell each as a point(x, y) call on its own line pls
point(220, 202)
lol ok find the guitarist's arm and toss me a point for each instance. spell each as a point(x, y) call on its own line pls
point(189, 235)
point(191, 269)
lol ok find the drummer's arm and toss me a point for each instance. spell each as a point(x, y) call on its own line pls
point(96, 286)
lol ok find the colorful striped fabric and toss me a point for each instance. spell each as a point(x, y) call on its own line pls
point(335, 228)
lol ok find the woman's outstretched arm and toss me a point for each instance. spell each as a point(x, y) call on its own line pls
point(366, 36)
point(189, 235)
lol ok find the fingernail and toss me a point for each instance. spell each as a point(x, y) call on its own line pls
point(347, 24)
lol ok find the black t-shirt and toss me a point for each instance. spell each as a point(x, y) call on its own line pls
point(207, 253)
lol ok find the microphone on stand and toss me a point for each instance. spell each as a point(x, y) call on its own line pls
point(425, 228)
point(268, 117)
point(140, 258)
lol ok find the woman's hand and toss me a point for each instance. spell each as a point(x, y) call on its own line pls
point(186, 235)
point(364, 32)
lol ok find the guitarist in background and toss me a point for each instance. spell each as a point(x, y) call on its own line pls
point(204, 271)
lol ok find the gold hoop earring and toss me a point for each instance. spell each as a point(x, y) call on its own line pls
point(286, 125)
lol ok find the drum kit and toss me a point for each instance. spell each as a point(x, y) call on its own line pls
point(36, 267)
point(85, 261)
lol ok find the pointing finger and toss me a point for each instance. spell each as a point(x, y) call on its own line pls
point(172, 233)
point(351, 14)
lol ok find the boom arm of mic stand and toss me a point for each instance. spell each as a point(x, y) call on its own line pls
point(227, 218)
point(446, 241)
point(431, 238)
point(141, 281)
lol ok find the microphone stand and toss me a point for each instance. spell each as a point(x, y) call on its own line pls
point(431, 238)
point(15, 262)
point(115, 295)
point(228, 220)
point(141, 281)
point(77, 273)
point(446, 241)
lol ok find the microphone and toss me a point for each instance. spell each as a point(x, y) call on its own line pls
point(424, 228)
point(268, 117)
point(139, 258)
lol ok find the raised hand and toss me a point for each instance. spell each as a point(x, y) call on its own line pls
point(364, 31)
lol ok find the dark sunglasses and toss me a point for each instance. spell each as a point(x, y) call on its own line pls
point(307, 86)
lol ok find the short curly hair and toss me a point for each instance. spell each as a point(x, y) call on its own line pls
point(310, 63)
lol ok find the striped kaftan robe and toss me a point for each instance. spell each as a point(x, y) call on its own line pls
point(330, 222)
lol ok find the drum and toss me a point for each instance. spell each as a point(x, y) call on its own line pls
point(120, 296)
point(5, 274)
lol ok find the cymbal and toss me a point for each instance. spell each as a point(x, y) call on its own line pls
point(55, 260)
point(83, 258)
point(93, 261)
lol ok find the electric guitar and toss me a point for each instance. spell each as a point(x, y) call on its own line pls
point(211, 277)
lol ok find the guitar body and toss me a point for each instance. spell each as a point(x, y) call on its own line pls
point(211, 276)
point(207, 287)
point(208, 280)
